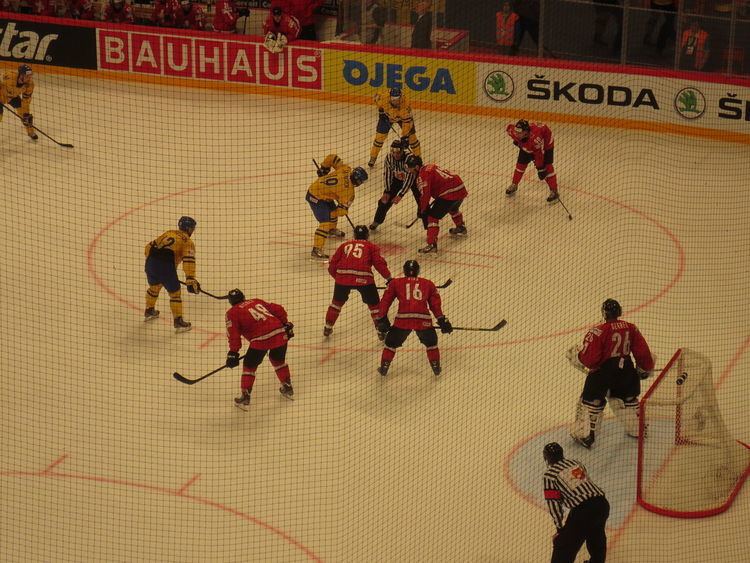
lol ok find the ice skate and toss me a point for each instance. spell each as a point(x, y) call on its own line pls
point(383, 369)
point(243, 401)
point(338, 233)
point(553, 197)
point(287, 390)
point(513, 188)
point(371, 162)
point(327, 331)
point(318, 255)
point(32, 135)
point(586, 442)
point(374, 226)
point(459, 231)
point(181, 325)
point(435, 365)
point(150, 314)
point(428, 249)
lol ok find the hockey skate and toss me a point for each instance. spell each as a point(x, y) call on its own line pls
point(327, 331)
point(586, 442)
point(428, 249)
point(553, 197)
point(181, 325)
point(436, 369)
point(459, 231)
point(371, 162)
point(150, 314)
point(318, 255)
point(243, 401)
point(338, 233)
point(32, 135)
point(287, 390)
point(374, 226)
point(513, 188)
point(383, 369)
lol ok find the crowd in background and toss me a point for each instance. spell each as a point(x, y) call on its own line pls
point(703, 35)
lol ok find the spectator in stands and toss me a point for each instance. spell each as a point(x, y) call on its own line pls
point(421, 35)
point(604, 11)
point(694, 49)
point(9, 5)
point(164, 13)
point(42, 7)
point(83, 10)
point(190, 15)
point(118, 11)
point(507, 23)
point(375, 17)
point(304, 11)
point(666, 32)
point(528, 13)
point(226, 15)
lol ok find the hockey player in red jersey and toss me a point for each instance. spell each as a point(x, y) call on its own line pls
point(165, 12)
point(190, 15)
point(536, 143)
point(226, 15)
point(448, 192)
point(118, 11)
point(416, 298)
point(266, 327)
point(605, 357)
point(279, 29)
point(351, 268)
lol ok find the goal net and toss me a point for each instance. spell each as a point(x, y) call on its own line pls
point(688, 464)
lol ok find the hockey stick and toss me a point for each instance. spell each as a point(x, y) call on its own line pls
point(65, 145)
point(182, 379)
point(443, 286)
point(410, 225)
point(220, 297)
point(570, 217)
point(495, 328)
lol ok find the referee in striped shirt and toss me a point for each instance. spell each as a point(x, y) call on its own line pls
point(398, 180)
point(567, 485)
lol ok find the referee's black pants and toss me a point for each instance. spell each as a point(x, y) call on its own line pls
point(584, 523)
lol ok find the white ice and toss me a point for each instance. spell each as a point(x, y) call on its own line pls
point(105, 457)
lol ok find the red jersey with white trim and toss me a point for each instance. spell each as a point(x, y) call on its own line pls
point(539, 141)
point(353, 261)
point(193, 18)
point(260, 322)
point(615, 339)
point(287, 26)
point(225, 16)
point(436, 182)
point(416, 298)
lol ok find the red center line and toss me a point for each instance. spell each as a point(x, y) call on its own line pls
point(54, 464)
point(186, 486)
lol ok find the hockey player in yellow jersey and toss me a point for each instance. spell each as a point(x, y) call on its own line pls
point(330, 197)
point(16, 88)
point(163, 255)
point(393, 107)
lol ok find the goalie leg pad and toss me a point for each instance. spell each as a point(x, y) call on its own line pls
point(588, 417)
point(626, 411)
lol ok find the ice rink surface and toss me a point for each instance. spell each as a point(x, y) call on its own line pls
point(107, 458)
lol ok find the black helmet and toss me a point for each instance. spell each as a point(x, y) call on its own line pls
point(235, 296)
point(552, 453)
point(522, 126)
point(186, 223)
point(611, 309)
point(411, 268)
point(361, 232)
point(398, 144)
point(358, 176)
point(413, 161)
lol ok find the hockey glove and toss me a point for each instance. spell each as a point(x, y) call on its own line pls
point(233, 359)
point(445, 325)
point(383, 325)
point(289, 329)
point(322, 171)
point(28, 120)
point(542, 173)
point(572, 355)
point(192, 285)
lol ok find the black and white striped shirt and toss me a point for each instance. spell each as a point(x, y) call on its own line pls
point(397, 176)
point(567, 485)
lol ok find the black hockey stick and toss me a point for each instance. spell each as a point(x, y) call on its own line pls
point(443, 286)
point(220, 297)
point(570, 217)
point(182, 379)
point(65, 145)
point(495, 328)
point(410, 225)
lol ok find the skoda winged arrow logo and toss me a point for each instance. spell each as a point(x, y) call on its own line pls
point(690, 103)
point(498, 86)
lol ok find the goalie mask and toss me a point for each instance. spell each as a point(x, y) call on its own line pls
point(611, 310)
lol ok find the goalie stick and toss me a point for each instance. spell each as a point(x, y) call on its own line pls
point(182, 379)
point(495, 328)
point(64, 145)
point(219, 297)
point(443, 286)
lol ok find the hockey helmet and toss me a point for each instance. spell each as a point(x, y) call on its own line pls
point(398, 144)
point(277, 10)
point(552, 453)
point(413, 161)
point(411, 268)
point(522, 127)
point(611, 309)
point(24, 70)
point(186, 224)
point(358, 176)
point(361, 232)
point(235, 296)
point(395, 94)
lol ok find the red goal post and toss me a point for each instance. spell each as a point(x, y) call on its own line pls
point(688, 464)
